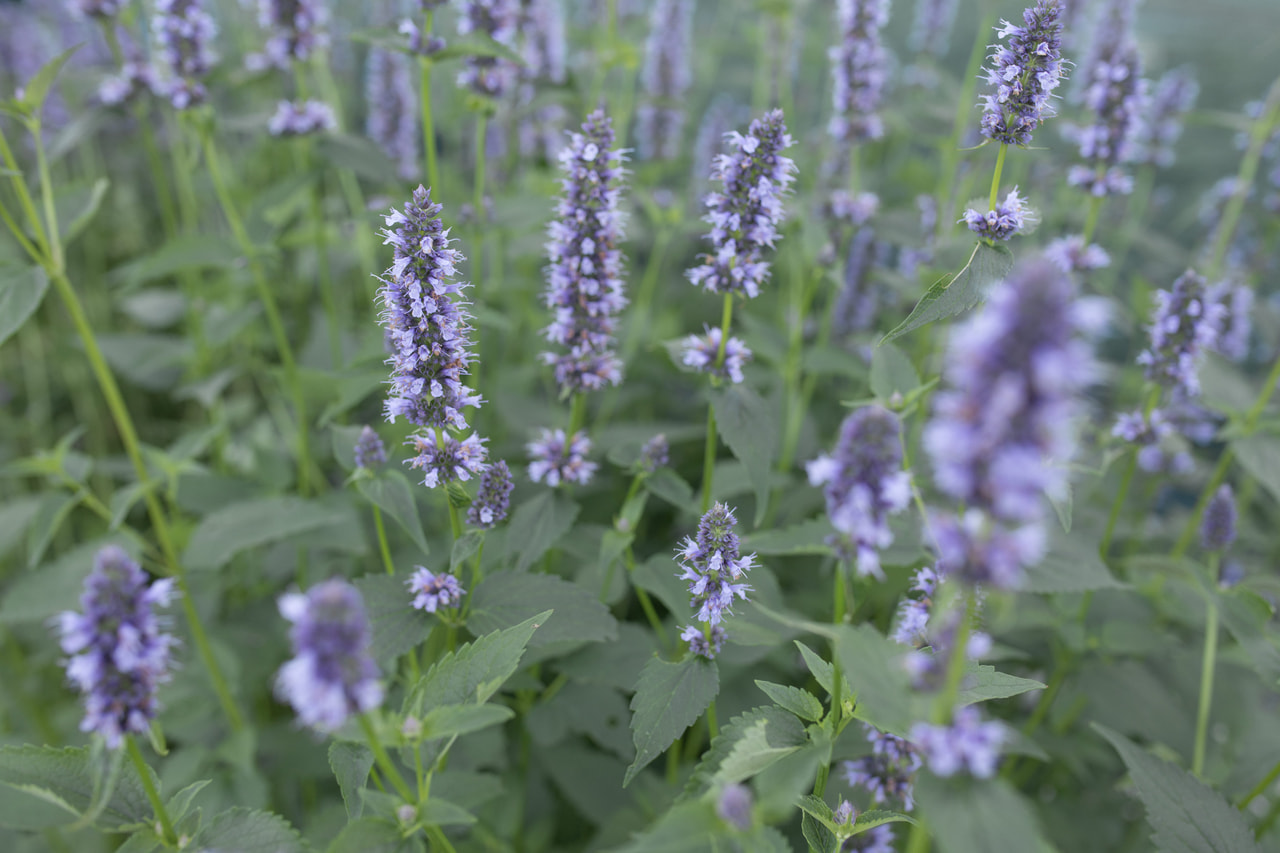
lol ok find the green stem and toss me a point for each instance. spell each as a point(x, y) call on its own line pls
point(1091, 220)
point(995, 177)
point(1260, 788)
point(646, 603)
point(1126, 481)
point(1267, 120)
point(577, 413)
point(383, 760)
point(709, 452)
point(153, 796)
point(946, 190)
point(1206, 675)
point(24, 198)
point(438, 837)
point(642, 312)
point(382, 541)
point(428, 123)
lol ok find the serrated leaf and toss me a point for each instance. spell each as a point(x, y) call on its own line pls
point(180, 803)
point(1187, 815)
point(37, 88)
point(474, 672)
point(389, 490)
point(872, 663)
point(745, 746)
point(450, 720)
point(372, 835)
point(879, 817)
point(892, 373)
point(64, 779)
point(466, 547)
point(797, 700)
point(1072, 564)
point(54, 586)
point(1247, 616)
point(502, 600)
point(440, 812)
point(819, 837)
point(949, 297)
point(807, 537)
point(52, 512)
point(397, 626)
point(351, 763)
point(250, 831)
point(672, 488)
point(971, 816)
point(537, 524)
point(823, 672)
point(79, 212)
point(687, 828)
point(982, 683)
point(1259, 455)
point(748, 425)
point(669, 698)
point(249, 524)
point(21, 292)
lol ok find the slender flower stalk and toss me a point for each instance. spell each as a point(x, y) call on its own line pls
point(859, 71)
point(1217, 533)
point(665, 77)
point(715, 568)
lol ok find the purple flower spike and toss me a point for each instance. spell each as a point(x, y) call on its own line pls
point(864, 484)
point(302, 118)
point(490, 76)
point(1070, 254)
point(392, 117)
point(1115, 96)
point(120, 652)
point(714, 566)
point(888, 773)
point(1024, 72)
point(1237, 325)
point(432, 591)
point(493, 498)
point(295, 30)
point(745, 215)
point(912, 627)
point(184, 32)
point(700, 645)
point(426, 320)
point(931, 30)
point(555, 459)
point(584, 278)
point(444, 459)
point(1010, 217)
point(1185, 322)
point(859, 70)
point(370, 452)
point(967, 745)
point(700, 352)
point(665, 76)
point(1218, 526)
point(1174, 96)
point(331, 674)
point(654, 454)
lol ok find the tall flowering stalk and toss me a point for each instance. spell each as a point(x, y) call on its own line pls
point(712, 563)
point(1185, 322)
point(665, 78)
point(859, 70)
point(1115, 96)
point(490, 76)
point(295, 32)
point(184, 32)
point(931, 29)
point(1174, 95)
point(392, 117)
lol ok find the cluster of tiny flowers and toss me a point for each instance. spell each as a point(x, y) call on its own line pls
point(1003, 430)
point(878, 839)
point(968, 744)
point(420, 44)
point(702, 645)
point(702, 353)
point(134, 78)
point(1174, 96)
point(392, 118)
point(912, 625)
point(120, 653)
point(1070, 254)
point(295, 31)
point(1025, 71)
point(745, 215)
point(653, 455)
point(370, 453)
point(1185, 322)
point(714, 566)
point(427, 323)
point(444, 459)
point(888, 772)
point(1115, 94)
point(665, 76)
point(432, 591)
point(499, 19)
point(101, 9)
point(331, 674)
point(734, 806)
point(845, 208)
point(1237, 304)
point(931, 30)
point(545, 50)
point(1010, 217)
point(1154, 436)
point(184, 32)
point(556, 459)
point(864, 484)
point(584, 277)
point(493, 498)
point(1218, 526)
point(302, 118)
point(859, 70)
point(928, 665)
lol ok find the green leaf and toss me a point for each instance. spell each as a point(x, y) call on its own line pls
point(441, 812)
point(36, 782)
point(873, 665)
point(450, 720)
point(250, 831)
point(373, 835)
point(971, 816)
point(203, 251)
point(748, 425)
point(1187, 815)
point(949, 297)
point(180, 803)
point(669, 698)
point(362, 156)
point(21, 292)
point(37, 89)
point(502, 600)
point(53, 511)
point(745, 746)
point(823, 672)
point(15, 517)
point(82, 212)
point(474, 672)
point(982, 682)
point(1071, 565)
point(55, 586)
point(477, 44)
point(397, 626)
point(1247, 616)
point(687, 828)
point(672, 488)
point(351, 763)
point(1259, 455)
point(389, 491)
point(250, 524)
point(466, 547)
point(150, 360)
point(892, 373)
point(807, 537)
point(537, 524)
point(820, 838)
point(797, 700)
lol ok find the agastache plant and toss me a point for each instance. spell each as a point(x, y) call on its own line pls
point(1115, 95)
point(489, 76)
point(392, 117)
point(184, 32)
point(301, 118)
point(1174, 95)
point(493, 497)
point(888, 773)
point(859, 71)
point(295, 31)
point(1025, 70)
point(931, 29)
point(665, 77)
point(1185, 323)
point(716, 571)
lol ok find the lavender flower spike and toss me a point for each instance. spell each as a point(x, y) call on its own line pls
point(184, 32)
point(331, 674)
point(499, 19)
point(665, 77)
point(745, 215)
point(1115, 95)
point(120, 653)
point(301, 118)
point(1218, 526)
point(859, 70)
point(296, 30)
point(557, 459)
point(653, 455)
point(931, 31)
point(392, 117)
point(427, 322)
point(584, 278)
point(1023, 75)
point(889, 771)
point(444, 459)
point(1186, 321)
point(370, 452)
point(968, 744)
point(432, 591)
point(1010, 217)
point(701, 351)
point(1175, 94)
point(864, 485)
point(713, 565)
point(493, 498)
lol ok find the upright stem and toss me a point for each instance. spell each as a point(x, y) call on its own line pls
point(709, 453)
point(389, 770)
point(946, 191)
point(153, 796)
point(995, 177)
point(1262, 128)
point(1153, 400)
point(1206, 673)
point(1091, 220)
point(577, 413)
point(382, 541)
point(428, 122)
point(1260, 788)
